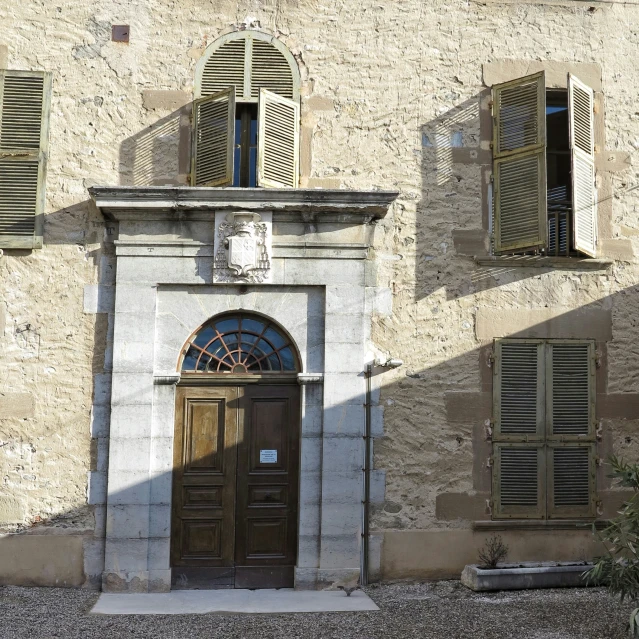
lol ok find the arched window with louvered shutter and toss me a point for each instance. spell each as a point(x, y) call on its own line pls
point(246, 113)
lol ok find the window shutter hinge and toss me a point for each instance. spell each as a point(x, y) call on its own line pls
point(490, 462)
point(597, 359)
point(599, 461)
point(491, 145)
point(599, 430)
point(489, 424)
point(491, 356)
point(489, 507)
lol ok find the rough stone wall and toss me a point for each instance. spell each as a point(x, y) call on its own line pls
point(393, 99)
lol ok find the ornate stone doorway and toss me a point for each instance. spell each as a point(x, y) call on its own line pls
point(236, 457)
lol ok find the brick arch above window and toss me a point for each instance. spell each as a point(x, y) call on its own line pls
point(249, 61)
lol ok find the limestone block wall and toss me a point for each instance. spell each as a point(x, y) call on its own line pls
point(394, 97)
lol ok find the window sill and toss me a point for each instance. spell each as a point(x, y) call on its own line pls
point(532, 261)
point(539, 524)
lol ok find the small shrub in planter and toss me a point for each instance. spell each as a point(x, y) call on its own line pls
point(492, 553)
point(618, 569)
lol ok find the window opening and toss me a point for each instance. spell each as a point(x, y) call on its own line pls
point(558, 167)
point(239, 344)
point(245, 151)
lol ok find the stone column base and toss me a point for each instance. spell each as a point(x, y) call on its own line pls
point(141, 581)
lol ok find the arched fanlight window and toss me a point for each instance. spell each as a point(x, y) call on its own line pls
point(239, 343)
point(246, 117)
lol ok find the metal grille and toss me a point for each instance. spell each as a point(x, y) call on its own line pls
point(21, 126)
point(558, 216)
point(518, 388)
point(570, 389)
point(239, 344)
point(519, 476)
point(225, 68)
point(571, 476)
point(270, 70)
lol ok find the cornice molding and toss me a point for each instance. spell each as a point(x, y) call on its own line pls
point(169, 202)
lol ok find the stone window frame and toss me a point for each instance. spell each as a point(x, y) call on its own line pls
point(475, 243)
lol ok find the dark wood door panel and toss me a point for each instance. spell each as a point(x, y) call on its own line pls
point(235, 486)
point(267, 486)
point(204, 480)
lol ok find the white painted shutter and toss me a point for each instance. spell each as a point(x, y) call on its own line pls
point(270, 70)
point(225, 68)
point(213, 139)
point(25, 98)
point(582, 150)
point(278, 141)
point(519, 164)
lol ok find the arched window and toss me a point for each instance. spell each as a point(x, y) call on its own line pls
point(239, 343)
point(246, 117)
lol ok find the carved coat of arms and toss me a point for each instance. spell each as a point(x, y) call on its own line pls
point(242, 253)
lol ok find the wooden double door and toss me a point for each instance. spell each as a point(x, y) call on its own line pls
point(235, 486)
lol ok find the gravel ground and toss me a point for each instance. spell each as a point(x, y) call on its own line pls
point(443, 610)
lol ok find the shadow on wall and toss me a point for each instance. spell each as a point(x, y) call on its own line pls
point(160, 154)
point(431, 458)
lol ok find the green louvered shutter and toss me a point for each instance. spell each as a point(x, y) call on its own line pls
point(519, 164)
point(571, 428)
point(213, 139)
point(25, 98)
point(582, 150)
point(278, 141)
point(518, 452)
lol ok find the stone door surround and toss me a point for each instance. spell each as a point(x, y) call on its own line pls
point(167, 285)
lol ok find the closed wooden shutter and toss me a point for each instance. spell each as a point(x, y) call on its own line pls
point(571, 480)
point(544, 435)
point(270, 70)
point(570, 390)
point(24, 131)
point(278, 141)
point(225, 68)
point(519, 164)
point(519, 390)
point(570, 374)
point(518, 481)
point(249, 61)
point(213, 139)
point(582, 150)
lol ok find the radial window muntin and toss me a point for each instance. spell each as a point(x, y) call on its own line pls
point(239, 343)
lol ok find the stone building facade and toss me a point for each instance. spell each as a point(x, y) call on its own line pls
point(385, 246)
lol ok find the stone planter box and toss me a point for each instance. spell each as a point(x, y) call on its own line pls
point(526, 575)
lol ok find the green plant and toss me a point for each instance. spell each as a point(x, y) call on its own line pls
point(493, 552)
point(618, 568)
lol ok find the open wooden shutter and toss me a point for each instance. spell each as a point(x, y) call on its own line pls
point(278, 141)
point(570, 390)
point(519, 164)
point(518, 390)
point(582, 150)
point(25, 98)
point(213, 139)
point(518, 481)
